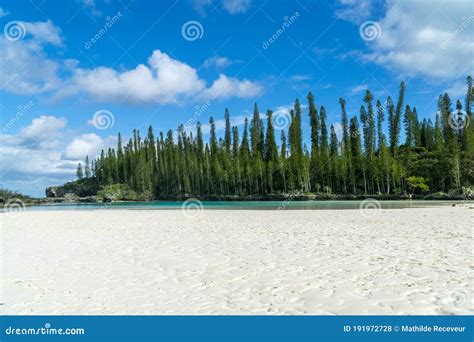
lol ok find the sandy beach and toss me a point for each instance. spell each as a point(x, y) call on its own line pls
point(399, 261)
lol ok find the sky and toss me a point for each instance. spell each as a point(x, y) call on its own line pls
point(75, 73)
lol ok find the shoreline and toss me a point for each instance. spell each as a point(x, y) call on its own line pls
point(286, 205)
point(300, 198)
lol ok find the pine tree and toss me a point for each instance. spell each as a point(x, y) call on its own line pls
point(79, 173)
point(315, 153)
point(87, 168)
point(334, 159)
point(179, 163)
point(227, 130)
point(358, 174)
point(324, 166)
point(271, 150)
point(346, 148)
point(256, 130)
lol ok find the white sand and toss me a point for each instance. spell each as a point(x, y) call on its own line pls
point(406, 261)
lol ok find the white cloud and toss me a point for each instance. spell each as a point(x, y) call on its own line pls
point(217, 61)
point(357, 89)
point(43, 128)
point(40, 155)
point(200, 6)
point(84, 145)
point(301, 77)
point(26, 69)
point(431, 38)
point(44, 32)
point(24, 66)
point(236, 6)
point(354, 10)
point(284, 109)
point(162, 81)
point(338, 130)
point(457, 90)
point(225, 87)
point(3, 12)
point(91, 6)
point(35, 149)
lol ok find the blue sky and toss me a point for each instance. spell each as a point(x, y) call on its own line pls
point(137, 63)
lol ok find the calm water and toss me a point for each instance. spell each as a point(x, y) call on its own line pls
point(257, 205)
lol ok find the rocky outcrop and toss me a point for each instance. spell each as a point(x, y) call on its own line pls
point(80, 188)
point(55, 191)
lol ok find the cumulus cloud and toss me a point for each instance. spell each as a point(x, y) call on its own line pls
point(88, 145)
point(43, 128)
point(24, 67)
point(26, 70)
point(225, 87)
point(161, 81)
point(457, 89)
point(84, 145)
point(44, 32)
point(44, 153)
point(34, 150)
point(414, 41)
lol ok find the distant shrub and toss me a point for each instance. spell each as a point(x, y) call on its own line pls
point(121, 192)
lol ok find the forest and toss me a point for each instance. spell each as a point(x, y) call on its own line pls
point(368, 159)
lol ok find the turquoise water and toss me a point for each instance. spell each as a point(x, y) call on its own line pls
point(256, 205)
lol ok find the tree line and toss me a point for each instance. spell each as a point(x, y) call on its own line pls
point(435, 156)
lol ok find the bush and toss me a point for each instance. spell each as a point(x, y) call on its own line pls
point(121, 192)
point(417, 185)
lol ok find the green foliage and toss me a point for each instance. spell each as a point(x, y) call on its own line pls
point(81, 188)
point(79, 173)
point(364, 162)
point(417, 184)
point(121, 192)
point(6, 195)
